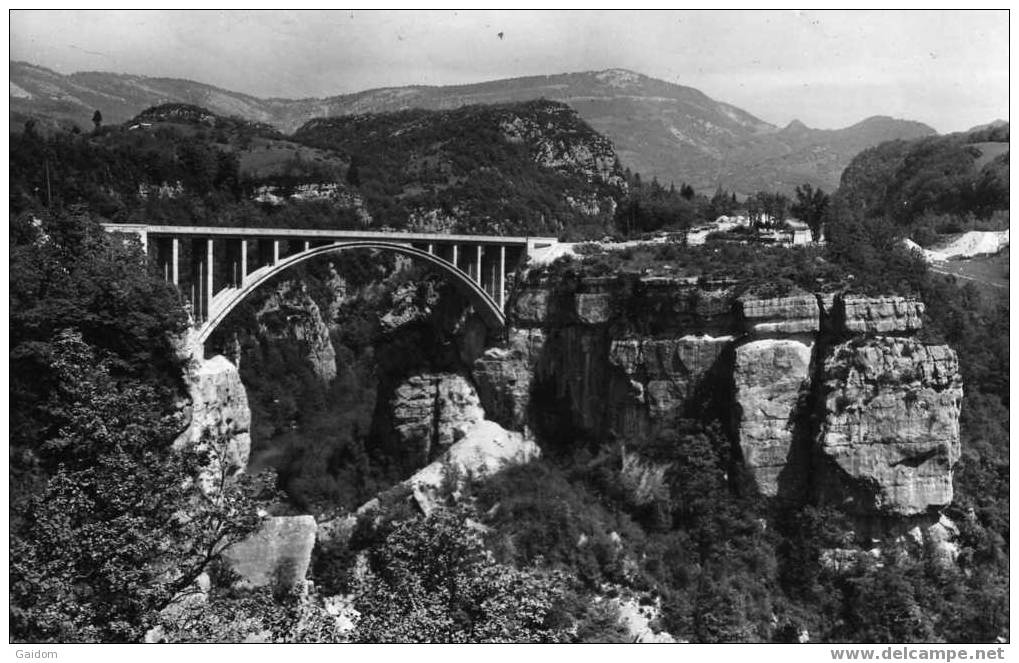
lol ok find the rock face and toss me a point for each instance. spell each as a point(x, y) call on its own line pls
point(290, 311)
point(592, 308)
point(278, 554)
point(486, 449)
point(882, 315)
point(891, 427)
point(531, 307)
point(665, 372)
point(434, 410)
point(220, 418)
point(503, 377)
point(797, 314)
point(614, 358)
point(769, 377)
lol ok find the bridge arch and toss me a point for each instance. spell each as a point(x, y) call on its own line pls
point(226, 300)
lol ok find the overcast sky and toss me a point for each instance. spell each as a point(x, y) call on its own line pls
point(828, 69)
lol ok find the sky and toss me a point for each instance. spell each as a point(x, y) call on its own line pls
point(829, 69)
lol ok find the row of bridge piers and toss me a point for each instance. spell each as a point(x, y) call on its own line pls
point(215, 267)
point(202, 266)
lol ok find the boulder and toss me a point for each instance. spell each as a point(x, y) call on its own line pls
point(486, 449)
point(637, 619)
point(942, 542)
point(891, 427)
point(769, 376)
point(277, 555)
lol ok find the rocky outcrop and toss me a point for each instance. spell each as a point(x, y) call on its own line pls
point(434, 410)
point(769, 377)
point(486, 449)
point(637, 619)
point(290, 312)
point(220, 419)
point(277, 555)
point(665, 372)
point(796, 314)
point(593, 308)
point(932, 536)
point(503, 376)
point(531, 307)
point(891, 428)
point(881, 315)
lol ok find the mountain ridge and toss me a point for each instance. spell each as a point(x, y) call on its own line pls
point(663, 130)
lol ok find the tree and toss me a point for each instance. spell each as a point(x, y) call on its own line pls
point(354, 172)
point(432, 580)
point(67, 273)
point(97, 120)
point(810, 206)
point(686, 191)
point(121, 529)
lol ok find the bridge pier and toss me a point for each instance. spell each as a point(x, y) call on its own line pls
point(244, 260)
point(210, 273)
point(502, 278)
point(176, 259)
point(477, 268)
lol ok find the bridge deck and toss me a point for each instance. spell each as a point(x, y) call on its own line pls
point(321, 234)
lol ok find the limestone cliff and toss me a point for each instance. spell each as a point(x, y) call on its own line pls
point(504, 375)
point(431, 411)
point(882, 315)
point(290, 312)
point(819, 407)
point(218, 417)
point(770, 376)
point(798, 314)
point(891, 426)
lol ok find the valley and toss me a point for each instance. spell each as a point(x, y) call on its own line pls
point(685, 425)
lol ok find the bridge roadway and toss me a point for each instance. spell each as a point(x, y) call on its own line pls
point(214, 269)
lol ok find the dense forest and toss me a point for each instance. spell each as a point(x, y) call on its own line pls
point(98, 550)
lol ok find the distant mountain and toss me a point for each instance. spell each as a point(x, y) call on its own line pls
point(659, 129)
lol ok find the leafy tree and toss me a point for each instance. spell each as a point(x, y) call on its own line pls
point(432, 580)
point(810, 206)
point(67, 273)
point(120, 530)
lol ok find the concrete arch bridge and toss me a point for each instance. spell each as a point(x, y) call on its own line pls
point(216, 268)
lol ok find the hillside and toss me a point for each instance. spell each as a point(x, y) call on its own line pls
point(531, 168)
point(519, 168)
point(660, 129)
point(912, 182)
